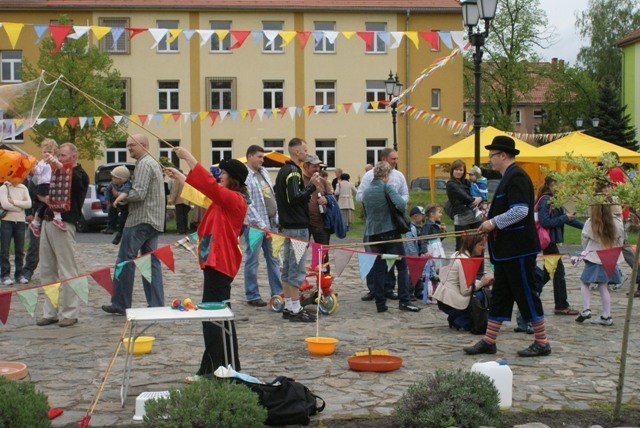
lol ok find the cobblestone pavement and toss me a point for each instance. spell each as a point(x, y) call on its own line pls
point(67, 364)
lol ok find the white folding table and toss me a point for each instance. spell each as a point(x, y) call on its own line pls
point(137, 316)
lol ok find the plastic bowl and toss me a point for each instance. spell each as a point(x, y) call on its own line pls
point(374, 363)
point(141, 345)
point(321, 345)
point(13, 370)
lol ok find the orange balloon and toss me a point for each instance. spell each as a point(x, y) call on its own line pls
point(14, 166)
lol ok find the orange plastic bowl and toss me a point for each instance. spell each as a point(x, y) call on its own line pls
point(374, 363)
point(321, 345)
point(13, 371)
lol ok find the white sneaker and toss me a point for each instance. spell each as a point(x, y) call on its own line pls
point(23, 280)
point(7, 281)
point(191, 379)
point(602, 321)
point(584, 315)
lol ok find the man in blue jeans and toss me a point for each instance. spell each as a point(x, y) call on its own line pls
point(140, 236)
point(263, 214)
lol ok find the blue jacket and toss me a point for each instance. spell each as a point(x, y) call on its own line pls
point(554, 219)
point(412, 248)
point(333, 218)
point(377, 209)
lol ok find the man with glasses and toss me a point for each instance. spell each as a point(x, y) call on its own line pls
point(513, 248)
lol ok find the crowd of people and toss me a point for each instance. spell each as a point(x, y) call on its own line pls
point(297, 205)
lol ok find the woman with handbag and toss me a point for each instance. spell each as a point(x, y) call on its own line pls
point(454, 293)
point(381, 203)
point(553, 219)
point(467, 215)
point(14, 199)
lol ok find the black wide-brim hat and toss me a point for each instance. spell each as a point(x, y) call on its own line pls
point(504, 144)
point(235, 169)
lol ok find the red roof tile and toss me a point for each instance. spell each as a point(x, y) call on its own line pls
point(628, 39)
point(399, 5)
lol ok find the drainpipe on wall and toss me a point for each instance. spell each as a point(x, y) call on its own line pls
point(406, 80)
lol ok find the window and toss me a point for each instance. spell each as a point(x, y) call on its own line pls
point(326, 95)
point(220, 149)
point(374, 147)
point(106, 43)
point(117, 152)
point(326, 151)
point(325, 45)
point(538, 114)
point(125, 97)
point(9, 128)
point(168, 96)
point(467, 116)
point(435, 149)
point(223, 45)
point(11, 66)
point(166, 151)
point(435, 99)
point(272, 94)
point(376, 92)
point(518, 116)
point(221, 94)
point(163, 46)
point(274, 146)
point(379, 46)
point(276, 45)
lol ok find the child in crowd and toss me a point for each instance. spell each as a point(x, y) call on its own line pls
point(479, 187)
point(42, 178)
point(602, 230)
point(116, 190)
point(433, 226)
point(412, 248)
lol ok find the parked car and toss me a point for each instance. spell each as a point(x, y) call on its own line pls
point(423, 183)
point(94, 211)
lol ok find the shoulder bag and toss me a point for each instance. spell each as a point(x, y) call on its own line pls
point(543, 233)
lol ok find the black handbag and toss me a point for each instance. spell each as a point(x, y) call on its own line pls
point(399, 219)
point(479, 309)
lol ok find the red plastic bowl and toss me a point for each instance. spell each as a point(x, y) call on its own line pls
point(374, 363)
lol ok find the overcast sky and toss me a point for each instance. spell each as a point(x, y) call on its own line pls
point(561, 14)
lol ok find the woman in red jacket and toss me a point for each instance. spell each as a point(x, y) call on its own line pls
point(218, 251)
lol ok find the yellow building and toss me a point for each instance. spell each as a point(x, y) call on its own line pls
point(201, 74)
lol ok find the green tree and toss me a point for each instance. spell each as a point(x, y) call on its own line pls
point(615, 125)
point(92, 72)
point(604, 22)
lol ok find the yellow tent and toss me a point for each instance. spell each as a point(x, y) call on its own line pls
point(271, 160)
point(529, 158)
point(580, 144)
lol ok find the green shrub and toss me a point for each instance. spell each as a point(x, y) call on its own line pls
point(22, 406)
point(444, 399)
point(206, 403)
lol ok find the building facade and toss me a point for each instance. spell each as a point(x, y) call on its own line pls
point(630, 46)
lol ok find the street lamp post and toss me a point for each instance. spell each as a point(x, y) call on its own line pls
point(472, 12)
point(392, 86)
point(595, 121)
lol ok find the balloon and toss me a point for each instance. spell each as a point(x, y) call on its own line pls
point(14, 166)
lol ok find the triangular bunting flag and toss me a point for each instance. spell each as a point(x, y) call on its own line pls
point(303, 37)
point(458, 39)
point(276, 243)
point(165, 255)
point(315, 256)
point(62, 121)
point(445, 36)
point(106, 120)
point(416, 267)
point(59, 33)
point(79, 31)
point(367, 36)
point(13, 30)
point(118, 269)
point(188, 34)
point(135, 31)
point(390, 259)
point(240, 37)
point(470, 267)
point(287, 37)
point(205, 35)
point(100, 31)
point(299, 249)
point(396, 36)
point(73, 121)
point(144, 266)
point(5, 306)
point(29, 299)
point(116, 33)
point(348, 34)
point(413, 36)
point(341, 260)
point(255, 236)
point(40, 30)
point(271, 37)
point(432, 38)
point(609, 259)
point(53, 293)
point(365, 263)
point(81, 287)
point(213, 115)
point(158, 34)
point(173, 34)
point(551, 263)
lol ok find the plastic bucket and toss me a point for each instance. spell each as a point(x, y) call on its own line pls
point(321, 345)
point(502, 377)
point(141, 345)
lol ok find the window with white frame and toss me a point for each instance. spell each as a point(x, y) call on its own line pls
point(125, 96)
point(11, 66)
point(163, 46)
point(106, 43)
point(221, 93)
point(435, 99)
point(276, 45)
point(374, 147)
point(518, 116)
point(8, 128)
point(326, 151)
point(168, 95)
point(272, 94)
point(324, 46)
point(223, 45)
point(116, 152)
point(378, 46)
point(273, 145)
point(326, 94)
point(166, 150)
point(376, 92)
point(220, 149)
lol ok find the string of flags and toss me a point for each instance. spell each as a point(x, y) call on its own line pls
point(237, 38)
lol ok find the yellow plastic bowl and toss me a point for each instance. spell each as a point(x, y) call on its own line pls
point(321, 345)
point(141, 345)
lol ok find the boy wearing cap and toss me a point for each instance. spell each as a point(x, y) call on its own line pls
point(412, 248)
point(117, 190)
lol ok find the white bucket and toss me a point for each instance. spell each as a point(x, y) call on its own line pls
point(502, 377)
point(142, 399)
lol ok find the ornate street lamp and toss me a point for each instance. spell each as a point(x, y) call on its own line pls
point(595, 121)
point(393, 87)
point(472, 12)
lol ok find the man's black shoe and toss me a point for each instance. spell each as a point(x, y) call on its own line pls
point(409, 307)
point(110, 309)
point(536, 349)
point(481, 347)
point(258, 303)
point(391, 295)
point(302, 316)
point(108, 231)
point(368, 297)
point(117, 239)
point(383, 308)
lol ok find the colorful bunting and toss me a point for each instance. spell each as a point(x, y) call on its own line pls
point(144, 266)
point(315, 254)
point(299, 249)
point(118, 269)
point(390, 259)
point(165, 255)
point(416, 267)
point(29, 299)
point(53, 293)
point(255, 236)
point(277, 241)
point(341, 260)
point(81, 287)
point(470, 268)
point(609, 258)
point(551, 263)
point(5, 306)
point(103, 278)
point(365, 263)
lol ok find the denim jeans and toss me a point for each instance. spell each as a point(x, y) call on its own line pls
point(11, 230)
point(117, 217)
point(32, 257)
point(138, 240)
point(381, 274)
point(251, 260)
